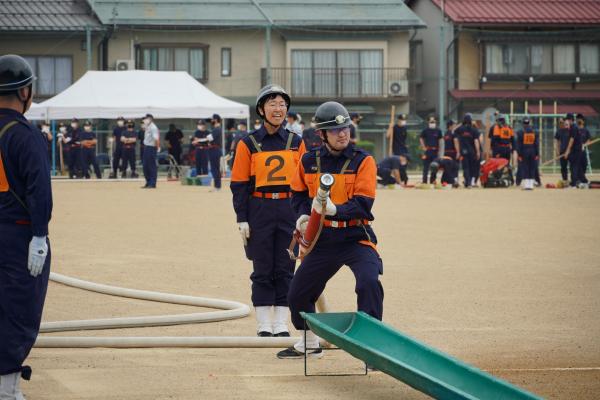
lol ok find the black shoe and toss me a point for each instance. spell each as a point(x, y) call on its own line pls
point(112, 176)
point(134, 175)
point(291, 352)
point(145, 187)
point(124, 175)
point(264, 334)
point(282, 334)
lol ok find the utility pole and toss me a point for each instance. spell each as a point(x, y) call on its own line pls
point(442, 80)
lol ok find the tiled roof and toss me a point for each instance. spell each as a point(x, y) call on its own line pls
point(524, 94)
point(46, 15)
point(522, 12)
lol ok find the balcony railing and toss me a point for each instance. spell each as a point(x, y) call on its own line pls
point(341, 82)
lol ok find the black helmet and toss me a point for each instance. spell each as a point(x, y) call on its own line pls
point(15, 73)
point(468, 118)
point(331, 115)
point(526, 120)
point(268, 91)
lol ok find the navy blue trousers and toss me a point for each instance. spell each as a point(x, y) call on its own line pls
point(74, 162)
point(272, 223)
point(150, 167)
point(322, 264)
point(21, 297)
point(470, 166)
point(575, 165)
point(214, 156)
point(529, 166)
point(89, 159)
point(117, 155)
point(128, 157)
point(428, 158)
point(201, 161)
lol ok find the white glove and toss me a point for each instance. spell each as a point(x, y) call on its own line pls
point(302, 223)
point(244, 232)
point(67, 140)
point(330, 208)
point(38, 250)
point(59, 136)
point(210, 137)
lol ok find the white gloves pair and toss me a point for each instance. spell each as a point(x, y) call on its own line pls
point(244, 232)
point(38, 250)
point(330, 208)
point(210, 137)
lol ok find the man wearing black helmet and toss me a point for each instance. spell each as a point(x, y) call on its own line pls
point(25, 210)
point(265, 161)
point(529, 153)
point(347, 237)
point(469, 149)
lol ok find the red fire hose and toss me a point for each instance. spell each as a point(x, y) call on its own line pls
point(315, 221)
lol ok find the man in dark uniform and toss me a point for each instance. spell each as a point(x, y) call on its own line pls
point(141, 134)
point(200, 144)
point(574, 150)
point(118, 146)
point(310, 137)
point(398, 134)
point(347, 237)
point(75, 168)
point(88, 150)
point(214, 150)
point(128, 138)
point(528, 151)
point(388, 171)
point(25, 210)
point(469, 149)
point(174, 140)
point(355, 119)
point(63, 146)
point(449, 166)
point(242, 131)
point(47, 134)
point(502, 139)
point(586, 137)
point(430, 141)
point(265, 162)
point(561, 141)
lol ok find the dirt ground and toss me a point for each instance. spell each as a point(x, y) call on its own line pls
point(504, 279)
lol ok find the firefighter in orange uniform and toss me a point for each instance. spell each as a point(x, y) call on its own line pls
point(265, 161)
point(347, 237)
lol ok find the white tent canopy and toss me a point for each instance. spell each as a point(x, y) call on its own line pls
point(132, 94)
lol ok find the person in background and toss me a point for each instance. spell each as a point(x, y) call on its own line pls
point(151, 147)
point(242, 131)
point(88, 150)
point(586, 137)
point(469, 148)
point(502, 139)
point(561, 141)
point(174, 138)
point(399, 133)
point(429, 140)
point(200, 144)
point(129, 138)
point(293, 124)
point(61, 138)
point(47, 134)
point(75, 169)
point(117, 146)
point(355, 119)
point(574, 150)
point(388, 171)
point(310, 136)
point(528, 151)
point(215, 152)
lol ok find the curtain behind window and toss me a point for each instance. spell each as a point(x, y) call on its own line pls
point(493, 59)
point(197, 63)
point(165, 59)
point(349, 64)
point(518, 59)
point(564, 59)
point(301, 72)
point(372, 73)
point(64, 72)
point(541, 59)
point(46, 75)
point(589, 58)
point(150, 59)
point(181, 59)
point(325, 73)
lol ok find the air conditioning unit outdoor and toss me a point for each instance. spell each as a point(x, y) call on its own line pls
point(398, 88)
point(124, 65)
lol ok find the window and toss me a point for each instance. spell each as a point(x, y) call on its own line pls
point(541, 59)
point(175, 58)
point(589, 59)
point(226, 61)
point(325, 73)
point(54, 74)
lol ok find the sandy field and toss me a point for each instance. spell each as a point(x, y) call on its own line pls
point(504, 279)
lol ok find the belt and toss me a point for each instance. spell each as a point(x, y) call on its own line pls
point(214, 146)
point(430, 148)
point(16, 222)
point(273, 196)
point(503, 144)
point(345, 224)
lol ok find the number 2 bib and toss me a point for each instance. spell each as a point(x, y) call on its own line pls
point(274, 168)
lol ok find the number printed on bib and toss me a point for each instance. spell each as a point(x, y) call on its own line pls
point(529, 138)
point(4, 186)
point(274, 168)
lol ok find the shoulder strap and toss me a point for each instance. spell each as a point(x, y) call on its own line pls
point(7, 127)
point(318, 161)
point(255, 143)
point(289, 140)
point(348, 161)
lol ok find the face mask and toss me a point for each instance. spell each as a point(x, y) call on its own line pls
point(146, 122)
point(46, 129)
point(88, 128)
point(74, 125)
point(199, 127)
point(120, 123)
point(63, 129)
point(257, 127)
point(431, 126)
point(402, 123)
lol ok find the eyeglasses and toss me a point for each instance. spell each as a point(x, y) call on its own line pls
point(338, 131)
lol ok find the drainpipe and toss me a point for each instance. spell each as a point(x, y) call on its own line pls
point(88, 46)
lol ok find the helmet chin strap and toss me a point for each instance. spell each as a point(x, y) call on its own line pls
point(264, 117)
point(29, 95)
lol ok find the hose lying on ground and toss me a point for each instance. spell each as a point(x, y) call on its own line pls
point(228, 310)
